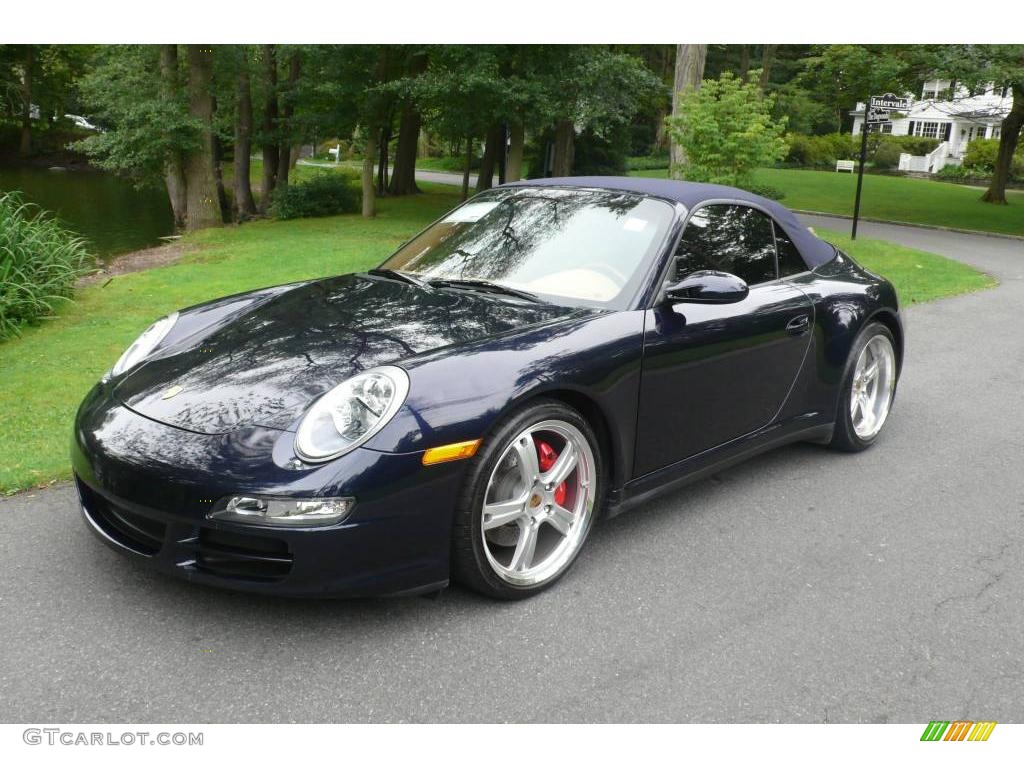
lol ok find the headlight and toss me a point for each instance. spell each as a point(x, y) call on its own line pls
point(261, 510)
point(143, 345)
point(351, 413)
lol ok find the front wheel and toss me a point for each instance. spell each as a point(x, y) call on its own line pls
point(529, 502)
point(868, 388)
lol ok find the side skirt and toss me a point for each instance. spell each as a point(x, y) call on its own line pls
point(674, 476)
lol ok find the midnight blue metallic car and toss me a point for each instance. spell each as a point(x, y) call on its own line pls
point(548, 353)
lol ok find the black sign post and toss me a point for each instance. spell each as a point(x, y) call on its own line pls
point(860, 171)
point(877, 110)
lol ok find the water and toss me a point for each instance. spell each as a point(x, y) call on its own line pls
point(108, 211)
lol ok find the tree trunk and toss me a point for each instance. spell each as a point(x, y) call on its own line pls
point(492, 148)
point(516, 140)
point(270, 150)
point(174, 175)
point(382, 159)
point(689, 72)
point(203, 205)
point(218, 155)
point(1009, 136)
point(284, 145)
point(465, 170)
point(245, 206)
point(767, 59)
point(25, 146)
point(403, 178)
point(744, 62)
point(369, 156)
point(565, 136)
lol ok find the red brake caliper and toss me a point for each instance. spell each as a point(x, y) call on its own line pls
point(546, 457)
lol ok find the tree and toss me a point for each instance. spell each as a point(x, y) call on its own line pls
point(204, 208)
point(157, 130)
point(838, 76)
point(174, 173)
point(245, 206)
point(726, 131)
point(689, 72)
point(982, 66)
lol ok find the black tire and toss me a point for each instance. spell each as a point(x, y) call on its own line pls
point(470, 566)
point(844, 436)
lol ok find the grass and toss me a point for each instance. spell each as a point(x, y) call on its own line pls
point(45, 373)
point(891, 198)
point(918, 275)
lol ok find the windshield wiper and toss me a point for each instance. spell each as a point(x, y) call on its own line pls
point(395, 274)
point(485, 286)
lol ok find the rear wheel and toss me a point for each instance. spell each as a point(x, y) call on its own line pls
point(868, 388)
point(529, 502)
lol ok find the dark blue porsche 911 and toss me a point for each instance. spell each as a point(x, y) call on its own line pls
point(548, 353)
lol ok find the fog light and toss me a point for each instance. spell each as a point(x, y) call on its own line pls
point(263, 510)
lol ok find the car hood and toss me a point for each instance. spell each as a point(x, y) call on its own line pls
point(266, 366)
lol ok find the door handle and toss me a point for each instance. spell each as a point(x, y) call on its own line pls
point(799, 324)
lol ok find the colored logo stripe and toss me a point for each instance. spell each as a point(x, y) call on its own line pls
point(958, 730)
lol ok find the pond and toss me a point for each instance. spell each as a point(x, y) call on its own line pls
point(112, 214)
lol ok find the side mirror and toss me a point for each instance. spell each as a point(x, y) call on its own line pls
point(708, 287)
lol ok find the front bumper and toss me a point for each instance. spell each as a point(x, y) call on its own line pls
point(146, 488)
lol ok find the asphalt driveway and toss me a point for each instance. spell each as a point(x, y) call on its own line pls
point(803, 586)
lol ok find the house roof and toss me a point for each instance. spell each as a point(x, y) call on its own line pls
point(691, 194)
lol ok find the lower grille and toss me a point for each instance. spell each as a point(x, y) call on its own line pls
point(132, 531)
point(238, 555)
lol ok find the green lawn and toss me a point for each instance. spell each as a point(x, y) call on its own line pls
point(891, 198)
point(45, 373)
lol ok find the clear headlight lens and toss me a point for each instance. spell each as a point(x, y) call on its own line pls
point(259, 510)
point(142, 346)
point(351, 413)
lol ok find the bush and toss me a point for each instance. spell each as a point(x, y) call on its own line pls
point(887, 155)
point(647, 162)
point(326, 194)
point(39, 263)
point(820, 151)
point(961, 173)
point(981, 158)
point(726, 131)
point(981, 155)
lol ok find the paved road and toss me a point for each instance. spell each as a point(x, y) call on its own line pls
point(802, 586)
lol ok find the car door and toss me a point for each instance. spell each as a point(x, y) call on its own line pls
point(716, 372)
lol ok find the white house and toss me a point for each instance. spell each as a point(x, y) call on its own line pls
point(950, 113)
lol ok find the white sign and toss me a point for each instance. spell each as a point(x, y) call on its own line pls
point(890, 102)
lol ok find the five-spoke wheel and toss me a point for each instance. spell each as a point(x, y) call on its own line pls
point(534, 496)
point(868, 389)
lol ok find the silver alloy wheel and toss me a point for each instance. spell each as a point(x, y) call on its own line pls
point(528, 536)
point(874, 379)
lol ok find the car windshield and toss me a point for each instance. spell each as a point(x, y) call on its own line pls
point(571, 246)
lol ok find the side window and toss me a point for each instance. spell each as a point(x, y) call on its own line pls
point(790, 260)
point(728, 238)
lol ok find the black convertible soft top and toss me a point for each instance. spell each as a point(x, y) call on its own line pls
point(814, 250)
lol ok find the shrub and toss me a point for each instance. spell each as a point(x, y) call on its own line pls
point(981, 158)
point(726, 130)
point(820, 151)
point(887, 155)
point(326, 194)
point(647, 162)
point(39, 263)
point(981, 155)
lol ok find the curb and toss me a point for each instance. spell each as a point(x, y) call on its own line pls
point(911, 224)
